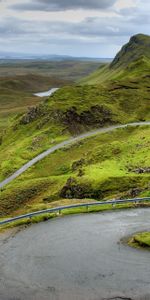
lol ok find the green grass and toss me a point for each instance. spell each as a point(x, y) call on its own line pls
point(131, 63)
point(28, 221)
point(101, 167)
point(143, 239)
point(58, 119)
point(134, 71)
point(140, 240)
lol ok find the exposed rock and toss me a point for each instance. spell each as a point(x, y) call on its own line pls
point(72, 189)
point(77, 164)
point(81, 173)
point(34, 113)
point(141, 170)
point(36, 142)
point(95, 116)
point(134, 192)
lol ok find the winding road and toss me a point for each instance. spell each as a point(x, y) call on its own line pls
point(76, 258)
point(63, 144)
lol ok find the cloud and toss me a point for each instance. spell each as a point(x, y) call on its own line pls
point(102, 33)
point(62, 5)
point(92, 27)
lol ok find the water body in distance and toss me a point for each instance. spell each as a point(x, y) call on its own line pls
point(47, 93)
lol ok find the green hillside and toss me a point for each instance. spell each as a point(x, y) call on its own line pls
point(136, 48)
point(70, 111)
point(103, 167)
point(112, 165)
point(133, 61)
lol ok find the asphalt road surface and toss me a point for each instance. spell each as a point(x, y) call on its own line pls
point(76, 258)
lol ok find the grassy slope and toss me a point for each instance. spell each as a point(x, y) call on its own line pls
point(71, 110)
point(94, 173)
point(131, 63)
point(143, 239)
point(56, 120)
point(137, 47)
point(140, 240)
point(74, 109)
point(133, 72)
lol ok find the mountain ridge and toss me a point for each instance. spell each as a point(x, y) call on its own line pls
point(132, 61)
point(136, 47)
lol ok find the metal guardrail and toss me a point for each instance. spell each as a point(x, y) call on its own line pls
point(60, 208)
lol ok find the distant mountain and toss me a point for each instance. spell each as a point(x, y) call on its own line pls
point(132, 61)
point(49, 57)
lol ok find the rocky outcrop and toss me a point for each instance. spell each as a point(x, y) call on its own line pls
point(140, 170)
point(34, 113)
point(74, 121)
point(96, 116)
point(78, 164)
point(74, 189)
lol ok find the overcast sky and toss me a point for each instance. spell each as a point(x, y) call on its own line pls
point(95, 28)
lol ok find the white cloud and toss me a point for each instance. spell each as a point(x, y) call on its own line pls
point(89, 32)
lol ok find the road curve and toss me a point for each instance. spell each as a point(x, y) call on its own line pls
point(77, 258)
point(63, 144)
